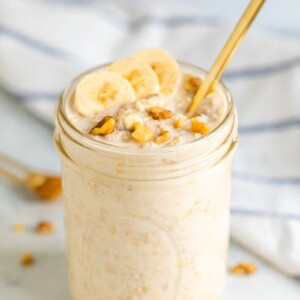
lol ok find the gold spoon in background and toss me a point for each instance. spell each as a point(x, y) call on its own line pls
point(227, 52)
point(44, 186)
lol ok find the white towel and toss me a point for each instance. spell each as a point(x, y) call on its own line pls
point(44, 44)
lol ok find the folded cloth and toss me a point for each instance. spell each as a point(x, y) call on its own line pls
point(44, 44)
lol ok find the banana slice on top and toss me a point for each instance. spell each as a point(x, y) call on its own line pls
point(101, 90)
point(140, 75)
point(165, 67)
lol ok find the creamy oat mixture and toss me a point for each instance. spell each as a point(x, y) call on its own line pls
point(163, 118)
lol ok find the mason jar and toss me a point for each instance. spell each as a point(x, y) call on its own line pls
point(146, 223)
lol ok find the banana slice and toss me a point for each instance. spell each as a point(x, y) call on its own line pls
point(101, 90)
point(165, 67)
point(141, 76)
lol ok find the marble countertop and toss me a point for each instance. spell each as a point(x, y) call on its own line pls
point(29, 140)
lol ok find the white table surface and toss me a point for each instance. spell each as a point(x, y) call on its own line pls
point(29, 140)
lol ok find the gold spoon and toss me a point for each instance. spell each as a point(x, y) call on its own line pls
point(44, 186)
point(225, 55)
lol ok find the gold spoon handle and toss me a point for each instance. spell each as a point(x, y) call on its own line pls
point(12, 176)
point(225, 55)
point(13, 170)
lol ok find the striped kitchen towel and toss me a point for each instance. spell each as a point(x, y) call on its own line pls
point(44, 44)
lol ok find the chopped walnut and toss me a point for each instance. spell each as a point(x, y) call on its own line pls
point(179, 123)
point(159, 113)
point(19, 227)
point(106, 126)
point(244, 268)
point(27, 259)
point(199, 127)
point(192, 83)
point(141, 133)
point(163, 137)
point(45, 227)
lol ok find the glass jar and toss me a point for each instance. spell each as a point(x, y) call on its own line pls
point(146, 224)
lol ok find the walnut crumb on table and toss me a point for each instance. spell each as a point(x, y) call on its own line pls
point(18, 227)
point(45, 227)
point(27, 259)
point(243, 268)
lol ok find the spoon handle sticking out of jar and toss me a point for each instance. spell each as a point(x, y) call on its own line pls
point(227, 52)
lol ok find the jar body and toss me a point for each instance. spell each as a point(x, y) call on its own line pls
point(133, 233)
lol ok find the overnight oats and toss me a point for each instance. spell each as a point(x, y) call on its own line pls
point(146, 188)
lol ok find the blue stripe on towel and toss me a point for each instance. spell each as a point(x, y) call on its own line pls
point(261, 179)
point(271, 126)
point(229, 75)
point(269, 69)
point(264, 213)
point(35, 44)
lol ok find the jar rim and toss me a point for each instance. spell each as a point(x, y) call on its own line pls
point(93, 144)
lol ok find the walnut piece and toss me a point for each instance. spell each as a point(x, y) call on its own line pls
point(192, 83)
point(19, 227)
point(106, 126)
point(163, 137)
point(179, 123)
point(159, 113)
point(45, 227)
point(243, 268)
point(27, 259)
point(199, 127)
point(141, 133)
